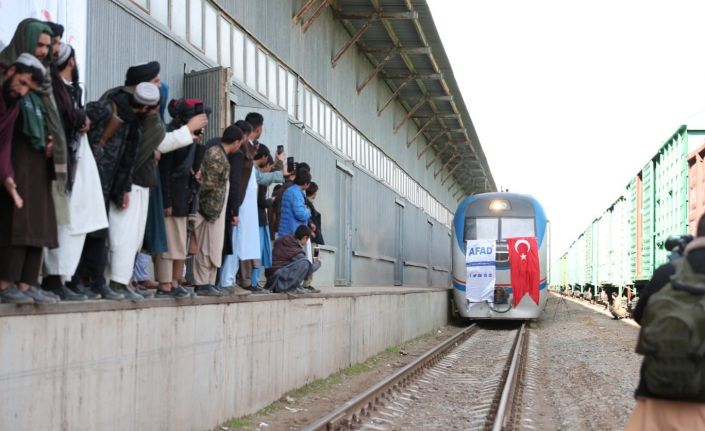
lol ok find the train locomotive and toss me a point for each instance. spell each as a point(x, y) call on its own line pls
point(497, 218)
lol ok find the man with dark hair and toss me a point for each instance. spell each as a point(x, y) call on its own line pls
point(293, 211)
point(653, 411)
point(58, 33)
point(289, 264)
point(256, 120)
point(27, 220)
point(210, 220)
point(87, 214)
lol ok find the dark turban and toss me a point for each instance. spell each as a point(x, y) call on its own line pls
point(141, 73)
point(57, 29)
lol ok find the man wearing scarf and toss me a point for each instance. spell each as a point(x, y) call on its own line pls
point(23, 171)
point(34, 37)
point(87, 214)
point(126, 239)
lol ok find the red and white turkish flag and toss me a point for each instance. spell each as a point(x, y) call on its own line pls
point(524, 267)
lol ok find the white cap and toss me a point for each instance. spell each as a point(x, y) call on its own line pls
point(147, 94)
point(31, 61)
point(64, 53)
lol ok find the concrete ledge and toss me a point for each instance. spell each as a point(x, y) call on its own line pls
point(188, 367)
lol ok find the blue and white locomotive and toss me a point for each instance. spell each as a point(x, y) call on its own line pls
point(499, 216)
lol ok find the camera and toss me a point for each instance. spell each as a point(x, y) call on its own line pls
point(280, 149)
point(676, 244)
point(290, 164)
point(316, 251)
point(198, 109)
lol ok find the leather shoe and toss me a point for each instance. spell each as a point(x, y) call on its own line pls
point(258, 290)
point(67, 294)
point(83, 290)
point(207, 290)
point(12, 295)
point(177, 292)
point(126, 291)
point(39, 296)
point(107, 293)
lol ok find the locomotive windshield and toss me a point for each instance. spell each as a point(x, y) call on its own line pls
point(498, 228)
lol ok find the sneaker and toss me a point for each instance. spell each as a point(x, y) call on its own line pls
point(207, 290)
point(12, 295)
point(49, 294)
point(39, 296)
point(237, 290)
point(126, 291)
point(146, 293)
point(106, 292)
point(312, 289)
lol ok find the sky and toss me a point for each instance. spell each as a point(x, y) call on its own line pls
point(571, 99)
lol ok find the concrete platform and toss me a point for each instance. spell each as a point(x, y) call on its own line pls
point(191, 364)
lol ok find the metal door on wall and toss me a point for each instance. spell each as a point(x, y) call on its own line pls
point(343, 260)
point(429, 249)
point(399, 245)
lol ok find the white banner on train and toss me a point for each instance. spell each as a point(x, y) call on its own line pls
point(481, 263)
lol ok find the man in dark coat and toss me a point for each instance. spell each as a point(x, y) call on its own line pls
point(27, 221)
point(289, 264)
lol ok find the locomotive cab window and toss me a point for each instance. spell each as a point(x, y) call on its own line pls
point(498, 228)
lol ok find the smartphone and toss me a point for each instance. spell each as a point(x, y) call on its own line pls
point(280, 149)
point(316, 251)
point(290, 164)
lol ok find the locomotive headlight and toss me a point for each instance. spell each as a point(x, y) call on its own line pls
point(500, 205)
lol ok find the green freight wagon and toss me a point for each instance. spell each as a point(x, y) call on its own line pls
point(670, 192)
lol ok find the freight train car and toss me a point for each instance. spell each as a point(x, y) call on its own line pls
point(622, 247)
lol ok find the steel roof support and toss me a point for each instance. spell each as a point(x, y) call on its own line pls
point(392, 52)
point(395, 94)
point(433, 160)
point(428, 123)
point(450, 173)
point(303, 10)
point(435, 174)
point(358, 34)
point(430, 143)
point(458, 193)
point(411, 112)
point(315, 15)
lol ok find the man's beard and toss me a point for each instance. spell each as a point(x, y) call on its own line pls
point(6, 94)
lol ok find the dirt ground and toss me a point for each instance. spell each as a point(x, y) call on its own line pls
point(299, 408)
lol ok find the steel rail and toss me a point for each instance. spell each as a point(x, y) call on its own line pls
point(350, 414)
point(506, 410)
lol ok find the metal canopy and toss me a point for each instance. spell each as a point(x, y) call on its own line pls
point(400, 40)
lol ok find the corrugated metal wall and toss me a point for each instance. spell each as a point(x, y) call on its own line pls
point(309, 55)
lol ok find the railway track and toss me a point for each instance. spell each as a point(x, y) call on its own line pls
point(470, 381)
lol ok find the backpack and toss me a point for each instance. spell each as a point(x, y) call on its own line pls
point(672, 337)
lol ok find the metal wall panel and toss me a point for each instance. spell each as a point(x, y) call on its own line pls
point(647, 221)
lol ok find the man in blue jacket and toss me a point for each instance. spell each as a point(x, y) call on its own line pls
point(293, 210)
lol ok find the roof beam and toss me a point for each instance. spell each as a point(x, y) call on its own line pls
point(422, 101)
point(458, 193)
point(376, 16)
point(358, 34)
point(428, 123)
point(422, 76)
point(303, 10)
point(430, 144)
point(435, 157)
point(392, 52)
point(394, 95)
point(435, 174)
point(450, 173)
point(415, 50)
point(315, 15)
